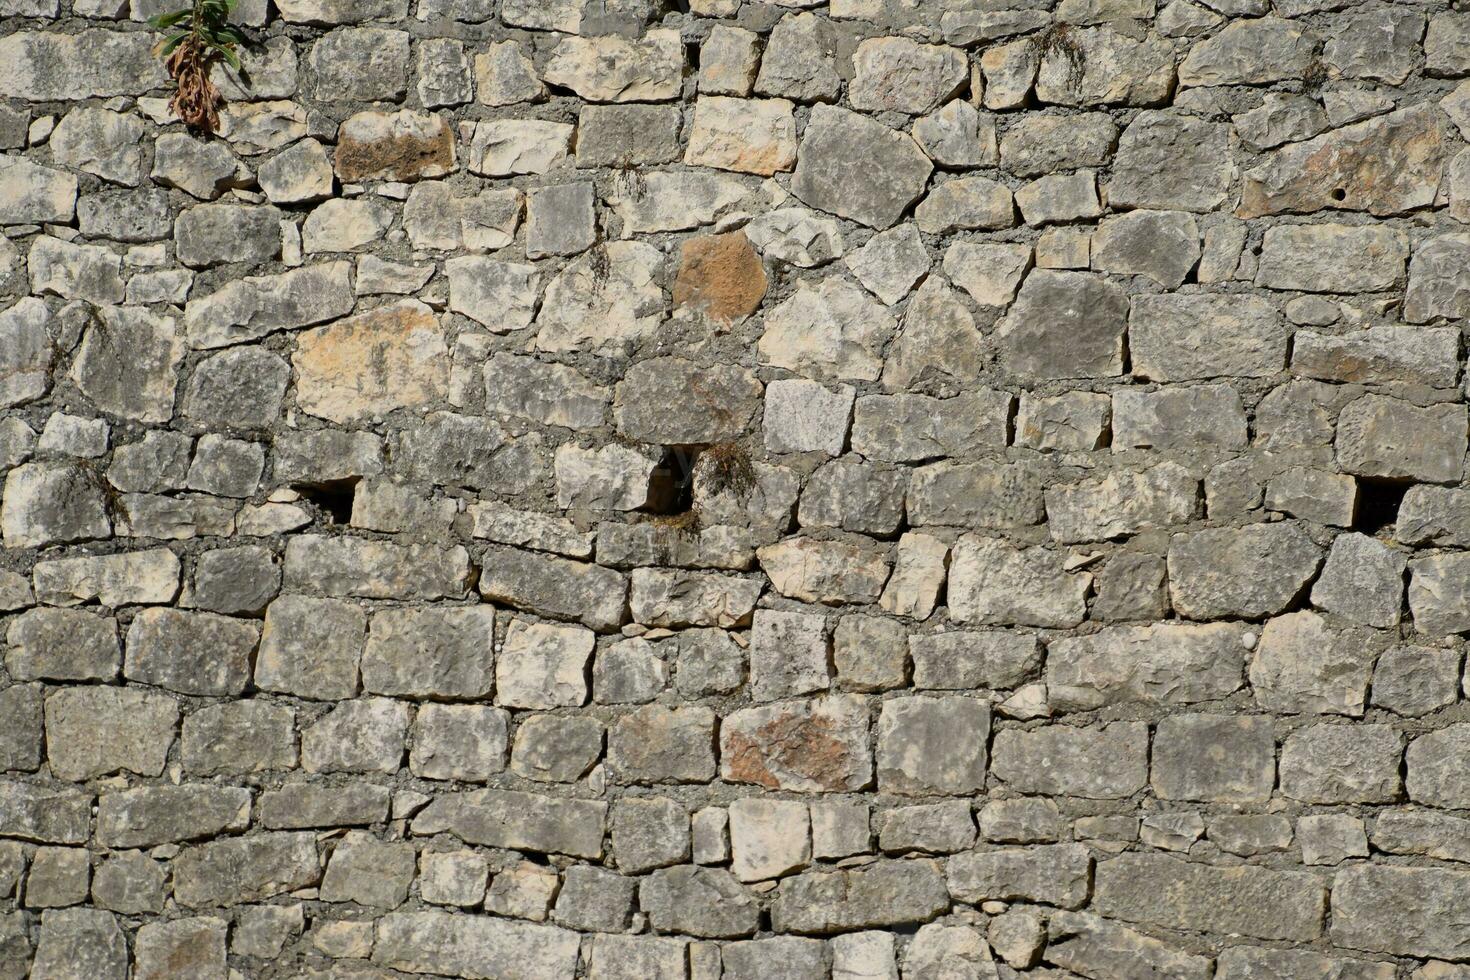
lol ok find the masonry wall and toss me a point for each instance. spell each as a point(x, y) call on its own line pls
point(642, 490)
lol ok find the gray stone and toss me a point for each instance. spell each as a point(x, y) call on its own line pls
point(1416, 680)
point(245, 869)
point(1084, 942)
point(458, 741)
point(190, 653)
point(1170, 161)
point(299, 174)
point(1362, 580)
point(357, 736)
point(368, 872)
point(1379, 354)
point(443, 73)
point(21, 729)
point(165, 949)
point(129, 883)
point(358, 64)
point(437, 942)
point(616, 69)
point(238, 738)
point(673, 401)
point(1102, 66)
point(250, 308)
point(524, 821)
point(94, 731)
point(101, 142)
point(1158, 664)
point(878, 895)
point(234, 581)
point(1437, 594)
point(1432, 761)
point(1165, 891)
point(149, 816)
point(806, 238)
point(605, 298)
point(1247, 572)
point(439, 653)
point(560, 220)
point(1105, 763)
point(1058, 874)
point(933, 745)
point(358, 567)
point(1329, 258)
point(42, 67)
point(203, 170)
point(555, 587)
point(505, 76)
point(32, 193)
point(553, 748)
point(654, 744)
point(62, 645)
point(311, 647)
point(49, 816)
point(80, 943)
point(1214, 758)
point(1186, 418)
point(71, 271)
point(994, 582)
point(1302, 665)
point(1121, 504)
point(1363, 895)
point(1342, 764)
point(1162, 245)
point(800, 60)
point(855, 167)
point(211, 234)
point(704, 902)
point(1064, 325)
point(1060, 198)
point(299, 806)
point(1381, 166)
point(125, 216)
point(1379, 436)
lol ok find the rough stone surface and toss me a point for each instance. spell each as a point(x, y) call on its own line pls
point(635, 490)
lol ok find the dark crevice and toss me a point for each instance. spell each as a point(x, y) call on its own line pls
point(1378, 503)
point(671, 488)
point(333, 500)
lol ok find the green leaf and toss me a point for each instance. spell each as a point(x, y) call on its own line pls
point(231, 58)
point(173, 42)
point(162, 21)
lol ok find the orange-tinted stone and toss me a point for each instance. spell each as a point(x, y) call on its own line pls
point(404, 145)
point(721, 276)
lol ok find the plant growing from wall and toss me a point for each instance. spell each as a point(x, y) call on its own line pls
point(203, 36)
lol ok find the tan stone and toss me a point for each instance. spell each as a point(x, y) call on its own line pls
point(753, 136)
point(720, 275)
point(1384, 166)
point(405, 145)
point(373, 363)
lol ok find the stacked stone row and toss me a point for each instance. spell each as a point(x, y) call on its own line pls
point(792, 490)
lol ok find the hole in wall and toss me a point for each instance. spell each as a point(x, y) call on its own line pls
point(1378, 504)
point(671, 488)
point(333, 500)
point(1338, 194)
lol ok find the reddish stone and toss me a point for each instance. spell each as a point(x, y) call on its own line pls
point(720, 275)
point(811, 746)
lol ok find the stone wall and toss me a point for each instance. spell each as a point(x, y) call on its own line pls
point(645, 490)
